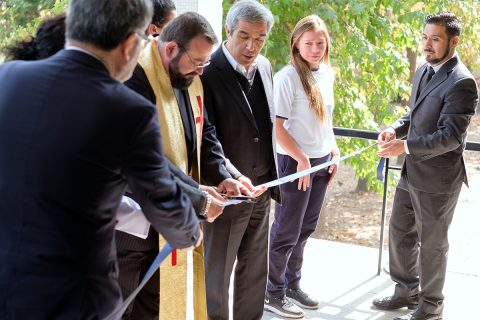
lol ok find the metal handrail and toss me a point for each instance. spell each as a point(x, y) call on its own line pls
point(372, 135)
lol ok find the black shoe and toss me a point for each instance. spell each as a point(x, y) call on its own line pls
point(419, 315)
point(283, 307)
point(392, 302)
point(302, 299)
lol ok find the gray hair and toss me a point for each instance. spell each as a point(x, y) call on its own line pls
point(250, 11)
point(106, 23)
point(187, 26)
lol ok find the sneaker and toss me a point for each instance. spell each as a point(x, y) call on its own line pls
point(302, 299)
point(283, 307)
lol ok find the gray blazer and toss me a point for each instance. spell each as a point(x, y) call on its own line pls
point(436, 127)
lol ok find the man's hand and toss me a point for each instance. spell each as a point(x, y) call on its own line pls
point(233, 187)
point(252, 191)
point(215, 210)
point(392, 148)
point(212, 191)
point(216, 206)
point(386, 135)
point(199, 241)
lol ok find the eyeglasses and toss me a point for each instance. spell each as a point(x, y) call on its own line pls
point(197, 66)
point(143, 38)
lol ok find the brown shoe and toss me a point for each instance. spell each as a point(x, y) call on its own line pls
point(392, 302)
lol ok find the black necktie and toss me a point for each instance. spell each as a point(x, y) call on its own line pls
point(425, 79)
point(431, 72)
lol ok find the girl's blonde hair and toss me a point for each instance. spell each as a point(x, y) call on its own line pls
point(310, 23)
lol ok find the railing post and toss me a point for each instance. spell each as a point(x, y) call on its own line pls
point(384, 215)
point(372, 135)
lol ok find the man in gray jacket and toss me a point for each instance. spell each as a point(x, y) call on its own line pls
point(444, 98)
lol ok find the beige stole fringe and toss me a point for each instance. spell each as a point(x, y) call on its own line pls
point(173, 276)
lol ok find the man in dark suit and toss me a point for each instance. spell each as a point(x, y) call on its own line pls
point(238, 98)
point(168, 75)
point(444, 98)
point(71, 137)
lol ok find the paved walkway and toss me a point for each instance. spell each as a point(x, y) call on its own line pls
point(343, 277)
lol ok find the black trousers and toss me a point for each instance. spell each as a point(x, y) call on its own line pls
point(241, 234)
point(295, 220)
point(133, 265)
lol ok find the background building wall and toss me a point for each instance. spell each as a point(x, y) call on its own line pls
point(210, 9)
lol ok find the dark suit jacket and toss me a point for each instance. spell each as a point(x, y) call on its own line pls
point(212, 162)
point(436, 127)
point(71, 137)
point(212, 158)
point(229, 112)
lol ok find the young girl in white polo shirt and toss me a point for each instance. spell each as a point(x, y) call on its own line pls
point(303, 95)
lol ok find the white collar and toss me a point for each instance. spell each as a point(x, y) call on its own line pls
point(237, 66)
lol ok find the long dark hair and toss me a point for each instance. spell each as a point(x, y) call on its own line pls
point(49, 39)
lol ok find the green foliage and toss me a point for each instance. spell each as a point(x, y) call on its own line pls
point(226, 4)
point(20, 18)
point(369, 43)
point(368, 51)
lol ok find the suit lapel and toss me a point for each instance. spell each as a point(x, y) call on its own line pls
point(265, 75)
point(439, 77)
point(230, 83)
point(416, 84)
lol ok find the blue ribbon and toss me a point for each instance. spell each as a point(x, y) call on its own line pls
point(305, 172)
point(120, 310)
point(380, 167)
point(167, 248)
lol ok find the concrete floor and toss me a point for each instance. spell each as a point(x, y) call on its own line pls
point(343, 277)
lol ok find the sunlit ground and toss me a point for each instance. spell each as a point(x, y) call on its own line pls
point(343, 277)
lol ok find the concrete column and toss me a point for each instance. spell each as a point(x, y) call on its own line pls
point(210, 9)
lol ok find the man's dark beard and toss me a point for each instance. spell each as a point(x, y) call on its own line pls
point(177, 79)
point(436, 61)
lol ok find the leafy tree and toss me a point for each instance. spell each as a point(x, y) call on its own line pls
point(375, 44)
point(20, 18)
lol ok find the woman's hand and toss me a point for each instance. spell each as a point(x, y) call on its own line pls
point(304, 182)
point(332, 170)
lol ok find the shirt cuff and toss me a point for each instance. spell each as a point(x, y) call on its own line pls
point(406, 147)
